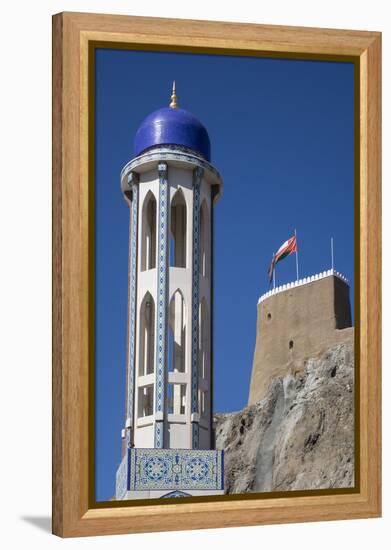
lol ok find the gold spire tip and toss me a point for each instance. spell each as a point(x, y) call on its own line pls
point(174, 98)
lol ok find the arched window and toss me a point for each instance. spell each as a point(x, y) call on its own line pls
point(145, 401)
point(203, 340)
point(202, 403)
point(203, 358)
point(204, 240)
point(176, 393)
point(177, 333)
point(147, 336)
point(176, 399)
point(148, 233)
point(178, 230)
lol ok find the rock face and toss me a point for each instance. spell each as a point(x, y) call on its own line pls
point(300, 435)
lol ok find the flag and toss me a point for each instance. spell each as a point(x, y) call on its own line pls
point(289, 247)
point(271, 269)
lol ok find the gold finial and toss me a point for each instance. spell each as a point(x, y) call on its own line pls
point(174, 97)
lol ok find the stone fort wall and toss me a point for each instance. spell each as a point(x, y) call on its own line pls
point(296, 322)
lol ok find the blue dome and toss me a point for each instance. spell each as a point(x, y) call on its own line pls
point(172, 126)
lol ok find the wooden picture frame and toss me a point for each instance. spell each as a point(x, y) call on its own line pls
point(74, 510)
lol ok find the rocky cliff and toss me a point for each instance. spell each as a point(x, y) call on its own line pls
point(300, 435)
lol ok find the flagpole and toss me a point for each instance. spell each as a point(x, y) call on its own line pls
point(274, 277)
point(332, 253)
point(297, 259)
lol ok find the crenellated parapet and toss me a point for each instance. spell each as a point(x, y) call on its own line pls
point(304, 281)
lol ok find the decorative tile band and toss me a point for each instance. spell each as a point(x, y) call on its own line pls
point(197, 177)
point(163, 154)
point(175, 469)
point(302, 282)
point(133, 179)
point(162, 283)
point(121, 478)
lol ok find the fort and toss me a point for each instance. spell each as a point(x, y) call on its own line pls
point(298, 321)
point(297, 431)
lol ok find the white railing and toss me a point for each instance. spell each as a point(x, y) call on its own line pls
point(301, 282)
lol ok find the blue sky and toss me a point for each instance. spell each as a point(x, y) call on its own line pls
point(282, 136)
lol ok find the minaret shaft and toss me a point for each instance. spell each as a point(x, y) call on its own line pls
point(170, 188)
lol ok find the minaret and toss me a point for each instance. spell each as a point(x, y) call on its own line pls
point(170, 187)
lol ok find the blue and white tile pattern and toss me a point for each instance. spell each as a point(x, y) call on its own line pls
point(162, 283)
point(133, 183)
point(175, 469)
point(197, 177)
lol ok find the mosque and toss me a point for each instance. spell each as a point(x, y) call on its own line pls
point(170, 187)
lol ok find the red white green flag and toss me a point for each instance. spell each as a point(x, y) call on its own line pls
point(289, 247)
